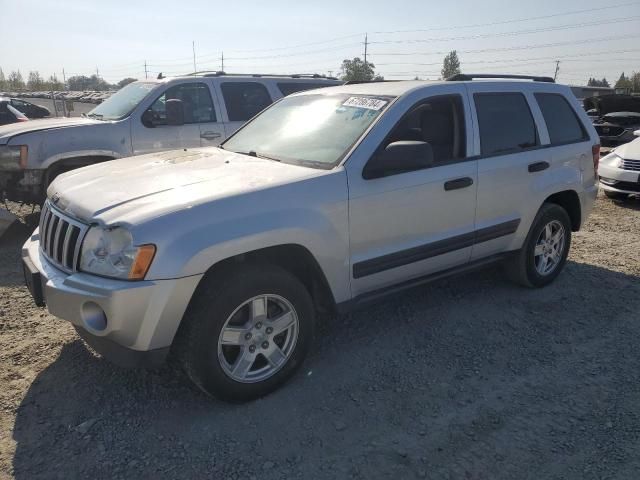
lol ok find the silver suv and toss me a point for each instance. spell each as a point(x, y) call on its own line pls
point(327, 200)
point(148, 116)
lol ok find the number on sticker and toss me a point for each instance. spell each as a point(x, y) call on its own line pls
point(365, 102)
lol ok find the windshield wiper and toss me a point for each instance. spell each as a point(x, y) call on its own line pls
point(253, 153)
point(97, 116)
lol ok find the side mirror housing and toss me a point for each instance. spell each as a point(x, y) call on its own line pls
point(637, 133)
point(175, 112)
point(147, 119)
point(399, 157)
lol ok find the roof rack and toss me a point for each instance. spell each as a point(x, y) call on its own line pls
point(465, 77)
point(219, 73)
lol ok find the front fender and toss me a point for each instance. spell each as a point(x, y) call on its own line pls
point(316, 220)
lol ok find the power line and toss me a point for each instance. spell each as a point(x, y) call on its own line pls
point(512, 33)
point(522, 47)
point(517, 20)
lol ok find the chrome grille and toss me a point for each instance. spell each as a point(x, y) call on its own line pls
point(631, 165)
point(60, 237)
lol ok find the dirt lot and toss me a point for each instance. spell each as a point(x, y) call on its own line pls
point(470, 378)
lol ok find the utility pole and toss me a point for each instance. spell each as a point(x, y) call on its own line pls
point(555, 75)
point(193, 46)
point(145, 70)
point(97, 73)
point(366, 43)
point(331, 73)
point(222, 62)
point(64, 79)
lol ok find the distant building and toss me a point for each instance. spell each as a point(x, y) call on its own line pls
point(586, 92)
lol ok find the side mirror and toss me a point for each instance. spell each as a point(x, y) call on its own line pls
point(147, 119)
point(175, 112)
point(399, 157)
point(637, 133)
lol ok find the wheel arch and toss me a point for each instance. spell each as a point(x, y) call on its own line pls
point(294, 258)
point(570, 201)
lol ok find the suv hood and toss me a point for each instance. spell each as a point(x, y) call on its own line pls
point(133, 189)
point(13, 129)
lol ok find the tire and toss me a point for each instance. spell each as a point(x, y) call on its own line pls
point(616, 195)
point(526, 268)
point(221, 303)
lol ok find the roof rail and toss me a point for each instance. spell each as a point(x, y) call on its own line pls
point(465, 77)
point(219, 73)
point(356, 82)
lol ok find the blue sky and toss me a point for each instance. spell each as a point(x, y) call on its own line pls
point(284, 36)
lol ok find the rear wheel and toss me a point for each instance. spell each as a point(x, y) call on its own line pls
point(545, 252)
point(246, 332)
point(616, 195)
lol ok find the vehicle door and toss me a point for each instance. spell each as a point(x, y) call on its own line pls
point(415, 223)
point(241, 101)
point(512, 159)
point(151, 133)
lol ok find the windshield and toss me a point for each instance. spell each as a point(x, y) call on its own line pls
point(121, 103)
point(313, 130)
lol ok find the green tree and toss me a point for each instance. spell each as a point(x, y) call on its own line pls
point(3, 81)
point(82, 82)
point(623, 82)
point(126, 81)
point(450, 65)
point(357, 70)
point(635, 82)
point(53, 83)
point(594, 82)
point(15, 81)
point(35, 81)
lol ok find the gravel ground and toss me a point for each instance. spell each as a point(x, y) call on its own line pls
point(469, 378)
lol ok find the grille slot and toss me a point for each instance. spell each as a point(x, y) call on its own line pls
point(60, 238)
point(631, 165)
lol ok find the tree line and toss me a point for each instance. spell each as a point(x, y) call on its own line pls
point(14, 81)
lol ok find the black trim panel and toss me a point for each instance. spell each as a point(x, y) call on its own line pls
point(433, 249)
point(368, 298)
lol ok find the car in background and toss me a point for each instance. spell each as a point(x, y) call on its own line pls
point(9, 114)
point(617, 128)
point(147, 116)
point(620, 171)
point(29, 109)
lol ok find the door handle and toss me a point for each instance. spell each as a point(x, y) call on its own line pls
point(210, 135)
point(463, 182)
point(538, 166)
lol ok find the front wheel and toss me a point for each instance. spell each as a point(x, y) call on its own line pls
point(545, 251)
point(246, 332)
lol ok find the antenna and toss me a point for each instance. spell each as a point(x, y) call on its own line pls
point(555, 75)
point(193, 47)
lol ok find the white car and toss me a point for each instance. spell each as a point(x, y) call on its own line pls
point(620, 171)
point(326, 201)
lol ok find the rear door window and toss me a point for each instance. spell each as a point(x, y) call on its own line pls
point(562, 122)
point(244, 99)
point(505, 122)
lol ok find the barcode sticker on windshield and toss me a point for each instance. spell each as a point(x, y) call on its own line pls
point(364, 102)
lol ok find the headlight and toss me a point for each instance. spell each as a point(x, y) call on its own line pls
point(110, 252)
point(13, 157)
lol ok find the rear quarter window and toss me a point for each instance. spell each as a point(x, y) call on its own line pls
point(563, 124)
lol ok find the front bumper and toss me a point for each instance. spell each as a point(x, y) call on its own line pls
point(129, 323)
point(615, 179)
point(22, 185)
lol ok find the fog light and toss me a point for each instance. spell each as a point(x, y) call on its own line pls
point(93, 316)
point(608, 181)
